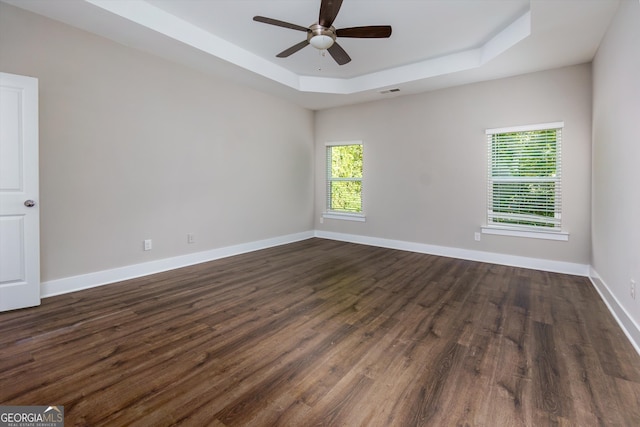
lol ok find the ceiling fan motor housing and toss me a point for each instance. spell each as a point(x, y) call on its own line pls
point(321, 37)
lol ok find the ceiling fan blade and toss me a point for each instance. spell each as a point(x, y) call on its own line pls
point(293, 49)
point(278, 23)
point(370, 32)
point(339, 54)
point(328, 11)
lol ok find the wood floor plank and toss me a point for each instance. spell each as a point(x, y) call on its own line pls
point(322, 332)
point(515, 374)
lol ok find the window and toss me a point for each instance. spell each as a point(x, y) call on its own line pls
point(344, 181)
point(524, 180)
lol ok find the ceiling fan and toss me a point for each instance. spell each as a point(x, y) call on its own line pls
point(322, 35)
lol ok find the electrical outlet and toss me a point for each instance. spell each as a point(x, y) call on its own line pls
point(632, 289)
point(476, 236)
point(147, 245)
point(191, 238)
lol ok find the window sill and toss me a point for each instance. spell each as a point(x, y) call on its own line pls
point(532, 234)
point(344, 216)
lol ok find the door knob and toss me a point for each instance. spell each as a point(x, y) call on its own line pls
point(29, 203)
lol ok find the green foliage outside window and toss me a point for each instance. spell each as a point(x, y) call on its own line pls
point(345, 178)
point(524, 166)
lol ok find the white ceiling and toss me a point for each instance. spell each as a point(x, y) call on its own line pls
point(434, 44)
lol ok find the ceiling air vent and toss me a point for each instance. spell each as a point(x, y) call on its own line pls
point(390, 91)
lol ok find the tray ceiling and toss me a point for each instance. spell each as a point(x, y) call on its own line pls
point(434, 44)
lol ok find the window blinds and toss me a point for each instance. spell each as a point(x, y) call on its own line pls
point(524, 185)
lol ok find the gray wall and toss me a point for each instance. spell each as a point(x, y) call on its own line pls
point(425, 161)
point(616, 159)
point(134, 147)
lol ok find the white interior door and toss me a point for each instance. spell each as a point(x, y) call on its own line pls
point(19, 212)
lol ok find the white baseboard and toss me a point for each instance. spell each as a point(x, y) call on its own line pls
point(630, 328)
point(99, 278)
point(489, 257)
point(622, 317)
point(104, 277)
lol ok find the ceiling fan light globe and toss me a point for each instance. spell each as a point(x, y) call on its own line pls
point(321, 41)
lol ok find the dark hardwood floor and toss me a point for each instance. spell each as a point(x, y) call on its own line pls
point(326, 333)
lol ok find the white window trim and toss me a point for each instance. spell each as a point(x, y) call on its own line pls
point(344, 216)
point(532, 234)
point(526, 128)
point(339, 215)
point(514, 231)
